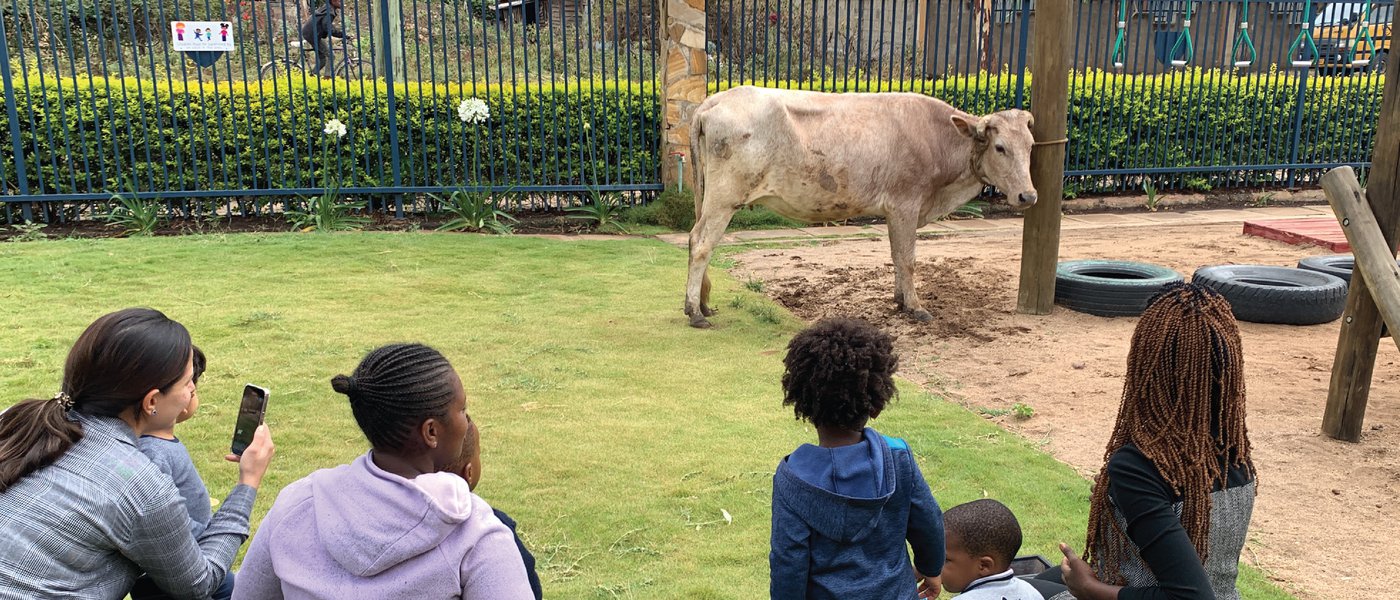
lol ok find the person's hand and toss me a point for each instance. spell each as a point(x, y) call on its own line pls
point(929, 587)
point(253, 464)
point(1079, 577)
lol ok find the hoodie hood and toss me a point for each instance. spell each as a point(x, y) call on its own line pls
point(839, 492)
point(370, 520)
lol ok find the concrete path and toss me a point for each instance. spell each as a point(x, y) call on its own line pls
point(1070, 222)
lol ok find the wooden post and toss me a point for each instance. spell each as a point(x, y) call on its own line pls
point(1373, 259)
point(1361, 323)
point(1040, 237)
point(391, 48)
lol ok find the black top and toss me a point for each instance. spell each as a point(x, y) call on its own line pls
point(321, 24)
point(1145, 500)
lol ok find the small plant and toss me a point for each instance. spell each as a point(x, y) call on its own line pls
point(1150, 189)
point(976, 209)
point(603, 211)
point(29, 231)
point(325, 213)
point(1262, 200)
point(1022, 410)
point(136, 216)
point(754, 285)
point(475, 211)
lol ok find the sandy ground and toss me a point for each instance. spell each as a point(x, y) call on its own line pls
point(1323, 525)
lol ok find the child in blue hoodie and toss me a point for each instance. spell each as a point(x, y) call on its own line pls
point(843, 509)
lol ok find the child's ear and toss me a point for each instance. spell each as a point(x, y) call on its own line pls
point(986, 565)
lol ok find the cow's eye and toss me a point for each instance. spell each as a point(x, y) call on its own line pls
point(1001, 149)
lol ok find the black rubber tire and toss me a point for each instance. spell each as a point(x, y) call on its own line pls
point(1109, 288)
point(1339, 265)
point(1267, 294)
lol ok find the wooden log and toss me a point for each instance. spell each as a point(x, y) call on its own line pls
point(1040, 236)
point(1374, 261)
point(1361, 322)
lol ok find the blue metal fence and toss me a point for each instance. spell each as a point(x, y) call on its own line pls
point(98, 102)
point(1223, 118)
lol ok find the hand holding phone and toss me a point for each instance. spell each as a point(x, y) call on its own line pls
point(250, 416)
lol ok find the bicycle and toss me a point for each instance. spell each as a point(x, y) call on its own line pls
point(348, 63)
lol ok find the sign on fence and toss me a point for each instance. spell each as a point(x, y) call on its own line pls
point(194, 36)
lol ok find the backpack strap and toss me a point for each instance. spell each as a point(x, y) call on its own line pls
point(895, 443)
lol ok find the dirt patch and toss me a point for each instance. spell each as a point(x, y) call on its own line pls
point(1323, 525)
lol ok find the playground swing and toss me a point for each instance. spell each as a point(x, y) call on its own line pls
point(1119, 41)
point(1304, 41)
point(1363, 36)
point(1184, 41)
point(1243, 41)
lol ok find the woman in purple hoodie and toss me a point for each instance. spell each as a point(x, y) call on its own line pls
point(394, 523)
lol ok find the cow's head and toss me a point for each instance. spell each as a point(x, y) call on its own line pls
point(1002, 152)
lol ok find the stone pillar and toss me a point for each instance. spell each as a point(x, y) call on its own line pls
point(684, 67)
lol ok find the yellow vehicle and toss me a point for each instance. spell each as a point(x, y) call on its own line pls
point(1343, 44)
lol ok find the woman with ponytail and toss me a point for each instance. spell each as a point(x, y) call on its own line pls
point(82, 511)
point(398, 522)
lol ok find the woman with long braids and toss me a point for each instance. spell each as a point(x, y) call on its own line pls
point(82, 511)
point(1171, 508)
point(397, 522)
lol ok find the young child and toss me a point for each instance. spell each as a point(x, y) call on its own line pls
point(173, 459)
point(983, 537)
point(843, 509)
point(469, 467)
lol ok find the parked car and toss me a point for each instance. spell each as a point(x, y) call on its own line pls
point(1336, 28)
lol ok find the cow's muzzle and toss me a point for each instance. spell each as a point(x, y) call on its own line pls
point(1026, 199)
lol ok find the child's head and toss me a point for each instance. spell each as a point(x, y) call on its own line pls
point(839, 373)
point(982, 538)
point(199, 364)
point(468, 464)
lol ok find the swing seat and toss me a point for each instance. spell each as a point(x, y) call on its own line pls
point(1360, 62)
point(1178, 63)
point(1118, 65)
point(1243, 63)
point(1302, 64)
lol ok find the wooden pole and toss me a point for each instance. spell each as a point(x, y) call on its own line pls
point(1361, 323)
point(1040, 238)
point(1373, 259)
point(391, 48)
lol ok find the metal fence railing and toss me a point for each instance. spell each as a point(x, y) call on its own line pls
point(1237, 111)
point(98, 101)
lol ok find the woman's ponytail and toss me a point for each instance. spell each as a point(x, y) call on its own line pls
point(33, 434)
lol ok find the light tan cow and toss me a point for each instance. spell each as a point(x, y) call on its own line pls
point(821, 157)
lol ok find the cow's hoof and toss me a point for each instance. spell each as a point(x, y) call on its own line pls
point(921, 315)
point(707, 311)
point(700, 323)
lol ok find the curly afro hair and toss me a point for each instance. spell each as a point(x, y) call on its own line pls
point(839, 373)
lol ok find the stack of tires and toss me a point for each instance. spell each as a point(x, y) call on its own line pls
point(1313, 293)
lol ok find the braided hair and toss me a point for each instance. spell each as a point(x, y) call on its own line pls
point(1183, 407)
point(839, 373)
point(396, 388)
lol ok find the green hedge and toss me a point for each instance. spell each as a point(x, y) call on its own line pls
point(264, 136)
point(177, 137)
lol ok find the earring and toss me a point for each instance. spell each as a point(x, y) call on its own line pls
point(153, 412)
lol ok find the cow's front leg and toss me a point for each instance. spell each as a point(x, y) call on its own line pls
point(902, 237)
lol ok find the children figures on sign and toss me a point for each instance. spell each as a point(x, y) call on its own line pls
point(197, 35)
point(223, 32)
point(202, 36)
point(180, 31)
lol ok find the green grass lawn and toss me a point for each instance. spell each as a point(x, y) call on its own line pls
point(617, 436)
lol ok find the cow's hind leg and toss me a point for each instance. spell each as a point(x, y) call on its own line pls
point(703, 238)
point(902, 238)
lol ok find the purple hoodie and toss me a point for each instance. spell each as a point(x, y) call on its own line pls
point(357, 531)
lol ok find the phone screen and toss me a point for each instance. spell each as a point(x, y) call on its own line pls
point(250, 415)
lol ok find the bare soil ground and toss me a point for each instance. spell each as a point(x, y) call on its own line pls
point(1324, 525)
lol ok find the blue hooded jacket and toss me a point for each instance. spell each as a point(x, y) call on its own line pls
point(840, 520)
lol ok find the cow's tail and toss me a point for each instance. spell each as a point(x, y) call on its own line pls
point(697, 132)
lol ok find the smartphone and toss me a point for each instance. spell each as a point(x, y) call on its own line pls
point(250, 415)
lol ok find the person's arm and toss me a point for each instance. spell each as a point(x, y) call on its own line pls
point(1145, 500)
point(159, 541)
point(925, 524)
point(789, 555)
point(525, 556)
point(496, 568)
point(334, 28)
point(257, 580)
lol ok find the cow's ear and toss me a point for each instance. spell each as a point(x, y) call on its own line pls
point(974, 128)
point(1030, 119)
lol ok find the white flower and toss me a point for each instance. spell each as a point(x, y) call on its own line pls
point(473, 110)
point(335, 127)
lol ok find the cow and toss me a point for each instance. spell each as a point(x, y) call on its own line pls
point(821, 157)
